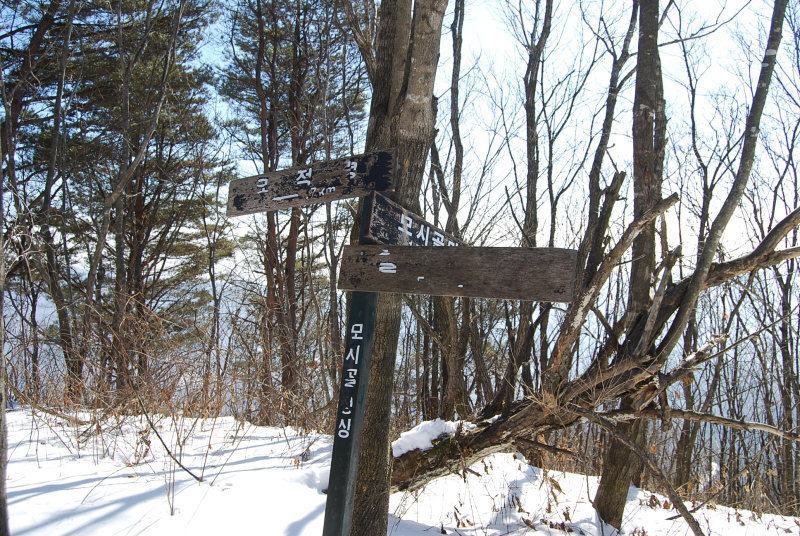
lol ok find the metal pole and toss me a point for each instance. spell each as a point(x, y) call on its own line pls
point(352, 399)
point(350, 414)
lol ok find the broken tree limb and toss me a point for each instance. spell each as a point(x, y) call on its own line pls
point(587, 295)
point(747, 426)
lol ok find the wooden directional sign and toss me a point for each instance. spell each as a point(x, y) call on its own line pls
point(355, 176)
point(389, 223)
point(536, 274)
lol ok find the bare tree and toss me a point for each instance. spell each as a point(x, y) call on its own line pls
point(620, 464)
point(4, 531)
point(402, 115)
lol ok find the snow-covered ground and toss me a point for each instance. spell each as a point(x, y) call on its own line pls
point(65, 478)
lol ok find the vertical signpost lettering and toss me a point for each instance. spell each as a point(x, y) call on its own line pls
point(350, 413)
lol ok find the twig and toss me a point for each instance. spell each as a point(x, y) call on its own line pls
point(44, 409)
point(744, 471)
point(161, 439)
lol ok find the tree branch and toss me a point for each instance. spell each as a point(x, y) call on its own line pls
point(582, 305)
point(686, 310)
point(656, 414)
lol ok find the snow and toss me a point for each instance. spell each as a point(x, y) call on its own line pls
point(422, 436)
point(78, 479)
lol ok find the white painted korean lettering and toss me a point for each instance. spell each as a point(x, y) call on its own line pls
point(353, 356)
point(423, 234)
point(351, 166)
point(356, 330)
point(406, 223)
point(350, 377)
point(303, 177)
point(344, 428)
point(349, 409)
point(285, 197)
point(387, 268)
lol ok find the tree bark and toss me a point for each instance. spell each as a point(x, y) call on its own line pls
point(649, 134)
point(619, 468)
point(788, 395)
point(402, 115)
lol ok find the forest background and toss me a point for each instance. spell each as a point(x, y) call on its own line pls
point(632, 132)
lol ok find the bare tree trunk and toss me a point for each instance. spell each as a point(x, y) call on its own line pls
point(51, 272)
point(4, 530)
point(402, 115)
point(477, 341)
point(334, 326)
point(454, 389)
point(520, 348)
point(649, 135)
point(787, 471)
point(620, 466)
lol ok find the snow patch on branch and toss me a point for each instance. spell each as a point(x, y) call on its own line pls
point(421, 436)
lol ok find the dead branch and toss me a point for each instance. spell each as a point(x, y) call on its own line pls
point(650, 323)
point(656, 414)
point(586, 296)
point(22, 397)
point(536, 445)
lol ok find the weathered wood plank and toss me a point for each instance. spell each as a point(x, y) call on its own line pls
point(354, 176)
point(390, 223)
point(535, 274)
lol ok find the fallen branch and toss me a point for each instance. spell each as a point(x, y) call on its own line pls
point(163, 444)
point(536, 445)
point(26, 400)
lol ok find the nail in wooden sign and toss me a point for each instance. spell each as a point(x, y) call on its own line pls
point(354, 176)
point(535, 274)
point(389, 223)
